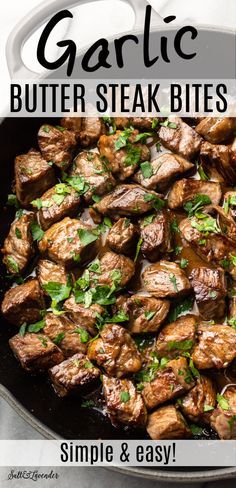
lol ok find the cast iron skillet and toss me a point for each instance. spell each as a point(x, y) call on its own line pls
point(32, 397)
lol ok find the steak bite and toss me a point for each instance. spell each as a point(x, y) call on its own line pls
point(90, 167)
point(219, 161)
point(185, 190)
point(176, 337)
point(66, 334)
point(170, 382)
point(122, 236)
point(91, 129)
point(162, 172)
point(23, 303)
point(18, 248)
point(210, 291)
point(76, 374)
point(85, 317)
point(167, 423)
point(33, 176)
point(124, 404)
point(128, 201)
point(35, 352)
point(58, 202)
point(223, 419)
point(156, 237)
point(72, 123)
point(114, 269)
point(165, 279)
point(180, 139)
point(115, 351)
point(146, 314)
point(217, 129)
point(57, 145)
point(143, 123)
point(49, 271)
point(69, 242)
point(199, 402)
point(123, 153)
point(216, 346)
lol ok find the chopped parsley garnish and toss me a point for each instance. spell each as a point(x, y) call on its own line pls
point(43, 341)
point(174, 226)
point(84, 335)
point(22, 329)
point(196, 430)
point(119, 317)
point(180, 309)
point(124, 396)
point(148, 220)
point(232, 322)
point(149, 315)
point(169, 124)
point(208, 408)
point(158, 204)
point(34, 328)
point(123, 139)
point(198, 202)
point(107, 221)
point(88, 404)
point(86, 236)
point(12, 200)
point(138, 248)
point(18, 233)
point(205, 225)
point(222, 401)
point(12, 264)
point(59, 338)
point(202, 173)
point(133, 155)
point(180, 345)
point(183, 263)
point(78, 183)
point(173, 280)
point(57, 291)
point(146, 169)
point(36, 231)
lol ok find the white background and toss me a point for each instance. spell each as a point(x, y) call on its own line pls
point(105, 21)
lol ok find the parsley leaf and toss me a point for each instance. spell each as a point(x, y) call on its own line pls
point(180, 309)
point(84, 335)
point(36, 231)
point(12, 264)
point(138, 248)
point(146, 169)
point(36, 327)
point(124, 396)
point(173, 280)
point(18, 233)
point(222, 401)
point(198, 202)
point(57, 291)
point(59, 338)
point(86, 236)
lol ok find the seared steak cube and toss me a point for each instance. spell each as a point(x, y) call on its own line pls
point(216, 347)
point(199, 402)
point(33, 176)
point(165, 279)
point(76, 374)
point(217, 129)
point(114, 269)
point(70, 337)
point(49, 271)
point(57, 145)
point(35, 352)
point(91, 129)
point(156, 237)
point(115, 351)
point(162, 171)
point(146, 314)
point(124, 404)
point(180, 139)
point(66, 242)
point(72, 123)
point(127, 201)
point(176, 337)
point(85, 317)
point(143, 123)
point(90, 167)
point(167, 423)
point(58, 202)
point(219, 161)
point(185, 190)
point(123, 153)
point(18, 248)
point(122, 236)
point(23, 303)
point(223, 419)
point(170, 382)
point(210, 291)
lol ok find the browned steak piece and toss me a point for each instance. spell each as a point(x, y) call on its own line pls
point(217, 129)
point(23, 303)
point(176, 337)
point(115, 351)
point(90, 167)
point(66, 242)
point(58, 202)
point(36, 352)
point(124, 404)
point(123, 152)
point(75, 374)
point(127, 201)
point(143, 123)
point(181, 139)
point(71, 338)
point(82, 316)
point(165, 279)
point(223, 419)
point(33, 176)
point(155, 236)
point(163, 170)
point(91, 129)
point(185, 190)
point(57, 145)
point(219, 161)
point(72, 123)
point(122, 236)
point(216, 346)
point(49, 271)
point(210, 291)
point(167, 423)
point(199, 402)
point(18, 248)
point(170, 382)
point(114, 268)
point(146, 314)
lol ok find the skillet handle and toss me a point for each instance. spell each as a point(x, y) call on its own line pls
point(40, 14)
